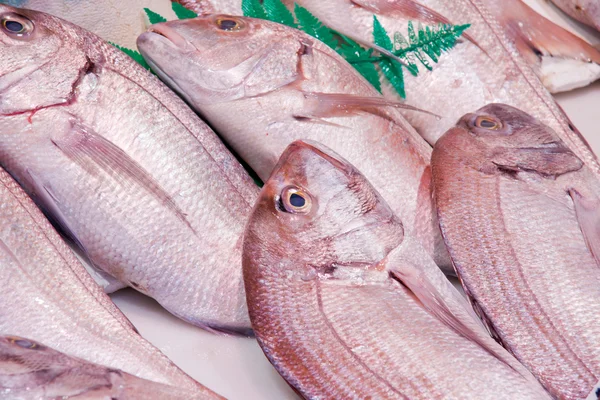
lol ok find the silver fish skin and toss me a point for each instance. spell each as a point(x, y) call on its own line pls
point(346, 307)
point(49, 297)
point(120, 22)
point(263, 85)
point(519, 215)
point(586, 11)
point(120, 163)
point(30, 370)
point(486, 69)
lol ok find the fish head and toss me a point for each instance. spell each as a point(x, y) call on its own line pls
point(317, 213)
point(503, 139)
point(219, 58)
point(39, 62)
point(506, 126)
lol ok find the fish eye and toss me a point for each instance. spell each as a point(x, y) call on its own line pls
point(488, 123)
point(295, 200)
point(16, 25)
point(24, 343)
point(229, 24)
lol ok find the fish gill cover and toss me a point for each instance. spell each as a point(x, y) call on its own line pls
point(422, 45)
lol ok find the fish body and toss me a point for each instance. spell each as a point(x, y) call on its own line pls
point(125, 168)
point(30, 370)
point(485, 69)
point(263, 85)
point(586, 11)
point(48, 296)
point(115, 21)
point(345, 306)
point(519, 213)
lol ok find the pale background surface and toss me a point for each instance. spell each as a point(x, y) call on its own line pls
point(237, 368)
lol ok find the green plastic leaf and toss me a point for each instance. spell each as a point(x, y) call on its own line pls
point(380, 35)
point(392, 69)
point(311, 25)
point(370, 73)
point(133, 54)
point(277, 12)
point(153, 17)
point(253, 9)
point(182, 12)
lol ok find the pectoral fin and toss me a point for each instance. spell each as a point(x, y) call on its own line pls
point(94, 153)
point(588, 216)
point(551, 161)
point(322, 105)
point(437, 304)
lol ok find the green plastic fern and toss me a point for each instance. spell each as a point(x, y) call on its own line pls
point(153, 17)
point(181, 12)
point(423, 44)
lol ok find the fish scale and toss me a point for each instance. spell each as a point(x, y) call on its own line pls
point(518, 245)
point(49, 297)
point(467, 77)
point(144, 188)
point(360, 319)
point(262, 89)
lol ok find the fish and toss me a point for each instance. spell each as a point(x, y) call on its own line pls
point(29, 370)
point(519, 215)
point(130, 174)
point(120, 22)
point(262, 85)
point(486, 69)
point(48, 296)
point(562, 60)
point(586, 11)
point(347, 307)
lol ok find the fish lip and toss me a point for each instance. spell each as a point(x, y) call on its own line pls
point(171, 36)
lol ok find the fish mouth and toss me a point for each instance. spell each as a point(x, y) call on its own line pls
point(168, 35)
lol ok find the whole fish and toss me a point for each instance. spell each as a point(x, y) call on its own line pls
point(562, 60)
point(120, 22)
point(346, 307)
point(49, 297)
point(483, 68)
point(519, 214)
point(586, 11)
point(262, 85)
point(124, 167)
point(30, 370)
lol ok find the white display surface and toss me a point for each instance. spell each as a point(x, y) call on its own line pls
point(236, 367)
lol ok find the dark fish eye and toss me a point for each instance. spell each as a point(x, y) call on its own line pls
point(228, 24)
point(24, 343)
point(488, 123)
point(295, 200)
point(16, 25)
